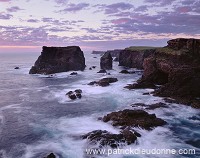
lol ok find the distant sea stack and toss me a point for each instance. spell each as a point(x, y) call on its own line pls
point(133, 57)
point(59, 59)
point(106, 61)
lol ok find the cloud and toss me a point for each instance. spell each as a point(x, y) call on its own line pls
point(13, 9)
point(5, 16)
point(33, 20)
point(160, 2)
point(114, 8)
point(5, 0)
point(75, 7)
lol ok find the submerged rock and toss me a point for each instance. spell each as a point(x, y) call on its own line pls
point(59, 59)
point(106, 61)
point(134, 118)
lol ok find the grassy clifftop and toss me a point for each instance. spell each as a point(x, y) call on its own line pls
point(140, 48)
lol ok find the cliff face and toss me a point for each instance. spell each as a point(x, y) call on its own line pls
point(177, 68)
point(59, 59)
point(133, 58)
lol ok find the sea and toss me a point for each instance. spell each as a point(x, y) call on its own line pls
point(37, 118)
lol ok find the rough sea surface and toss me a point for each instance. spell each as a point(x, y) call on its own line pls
point(37, 118)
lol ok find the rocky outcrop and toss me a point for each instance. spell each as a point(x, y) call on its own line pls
point(106, 61)
point(105, 138)
point(104, 82)
point(59, 59)
point(74, 95)
point(133, 57)
point(134, 118)
point(175, 67)
point(102, 71)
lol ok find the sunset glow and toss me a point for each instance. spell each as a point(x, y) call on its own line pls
point(32, 24)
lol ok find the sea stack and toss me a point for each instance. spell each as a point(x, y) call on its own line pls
point(106, 61)
point(59, 59)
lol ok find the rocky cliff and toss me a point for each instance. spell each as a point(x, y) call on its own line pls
point(177, 68)
point(59, 59)
point(133, 57)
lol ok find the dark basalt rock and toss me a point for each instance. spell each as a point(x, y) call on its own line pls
point(16, 68)
point(59, 59)
point(109, 80)
point(102, 71)
point(74, 95)
point(124, 72)
point(105, 138)
point(106, 61)
point(104, 82)
point(134, 118)
point(74, 73)
point(51, 156)
point(78, 91)
point(156, 105)
point(79, 95)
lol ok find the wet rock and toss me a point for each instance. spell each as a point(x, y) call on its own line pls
point(70, 92)
point(16, 68)
point(74, 73)
point(72, 96)
point(93, 67)
point(105, 138)
point(51, 156)
point(109, 80)
point(140, 85)
point(90, 68)
point(125, 72)
point(169, 100)
point(134, 118)
point(106, 61)
point(156, 105)
point(93, 83)
point(59, 59)
point(104, 82)
point(75, 94)
point(79, 95)
point(102, 71)
point(78, 91)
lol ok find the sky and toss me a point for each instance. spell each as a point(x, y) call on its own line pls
point(27, 25)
